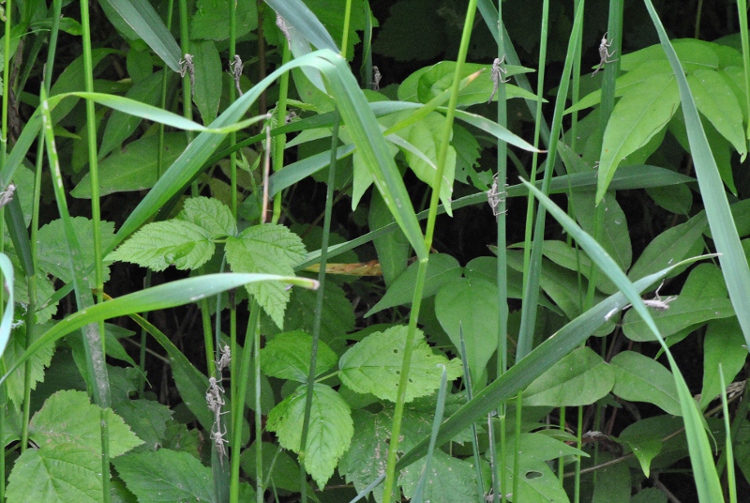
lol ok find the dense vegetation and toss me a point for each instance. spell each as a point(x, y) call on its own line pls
point(289, 251)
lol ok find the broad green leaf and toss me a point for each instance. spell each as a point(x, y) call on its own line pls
point(393, 249)
point(468, 151)
point(614, 237)
point(441, 269)
point(564, 255)
point(649, 495)
point(717, 102)
point(147, 418)
point(337, 319)
point(537, 483)
point(52, 252)
point(645, 439)
point(470, 306)
point(210, 19)
point(121, 125)
point(693, 53)
point(450, 479)
point(641, 379)
point(542, 446)
point(133, 167)
point(140, 16)
point(208, 79)
point(284, 471)
point(161, 244)
point(580, 378)
point(210, 214)
point(287, 356)
point(68, 417)
point(271, 249)
point(61, 474)
point(330, 431)
point(723, 345)
point(637, 117)
point(613, 483)
point(331, 15)
point(165, 476)
point(676, 199)
point(364, 460)
point(374, 364)
point(72, 79)
point(703, 298)
point(670, 246)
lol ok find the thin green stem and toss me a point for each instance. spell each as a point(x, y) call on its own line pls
point(390, 479)
point(280, 141)
point(742, 11)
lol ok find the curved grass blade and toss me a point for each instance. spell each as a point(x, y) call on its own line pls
point(163, 296)
point(733, 262)
point(143, 19)
point(297, 14)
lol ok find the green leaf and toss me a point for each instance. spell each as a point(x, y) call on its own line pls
point(284, 471)
point(166, 476)
point(68, 417)
point(644, 438)
point(271, 249)
point(364, 460)
point(637, 117)
point(703, 298)
point(641, 379)
point(208, 79)
point(613, 484)
point(61, 474)
point(287, 356)
point(717, 102)
point(723, 345)
point(147, 419)
point(140, 16)
point(470, 306)
point(374, 364)
point(330, 432)
point(613, 226)
point(133, 167)
point(37, 364)
point(393, 249)
point(580, 378)
point(161, 244)
point(298, 15)
point(337, 318)
point(210, 19)
point(211, 214)
point(121, 125)
point(52, 253)
point(441, 269)
point(450, 479)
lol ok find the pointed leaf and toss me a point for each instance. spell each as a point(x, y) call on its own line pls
point(331, 429)
point(641, 379)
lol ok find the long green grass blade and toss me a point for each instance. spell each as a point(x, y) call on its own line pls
point(6, 267)
point(143, 19)
point(298, 15)
point(734, 264)
point(163, 296)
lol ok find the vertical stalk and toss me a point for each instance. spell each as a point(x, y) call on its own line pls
point(390, 474)
point(101, 385)
point(742, 11)
point(3, 155)
point(280, 140)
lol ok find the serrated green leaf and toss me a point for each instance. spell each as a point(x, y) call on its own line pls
point(637, 117)
point(287, 356)
point(470, 306)
point(271, 249)
point(37, 363)
point(68, 417)
point(580, 378)
point(641, 379)
point(373, 365)
point(62, 474)
point(211, 214)
point(450, 479)
point(133, 167)
point(147, 419)
point(165, 476)
point(366, 458)
point(52, 254)
point(330, 432)
point(161, 244)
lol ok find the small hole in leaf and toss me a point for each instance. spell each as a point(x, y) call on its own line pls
point(398, 372)
point(533, 475)
point(395, 351)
